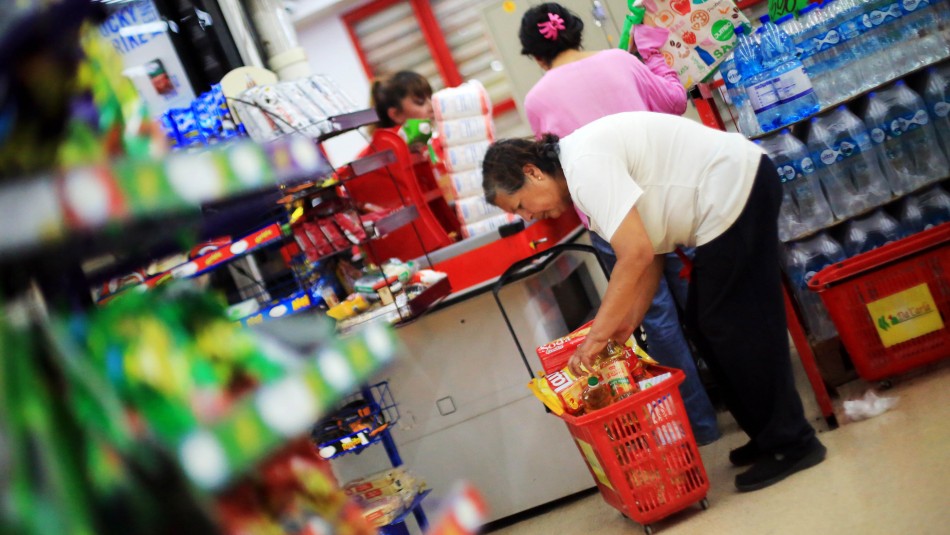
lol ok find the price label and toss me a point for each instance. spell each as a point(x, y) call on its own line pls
point(780, 8)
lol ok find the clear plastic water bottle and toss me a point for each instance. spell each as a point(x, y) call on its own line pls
point(911, 216)
point(870, 232)
point(847, 57)
point(864, 50)
point(804, 206)
point(893, 154)
point(756, 82)
point(847, 164)
point(935, 205)
point(919, 135)
point(804, 259)
point(828, 51)
point(882, 25)
point(746, 121)
point(811, 23)
point(920, 32)
point(937, 97)
point(797, 99)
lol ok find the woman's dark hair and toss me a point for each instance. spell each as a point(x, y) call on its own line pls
point(533, 41)
point(503, 166)
point(388, 93)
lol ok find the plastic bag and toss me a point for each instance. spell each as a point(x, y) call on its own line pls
point(869, 406)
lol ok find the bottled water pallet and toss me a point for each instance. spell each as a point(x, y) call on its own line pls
point(851, 98)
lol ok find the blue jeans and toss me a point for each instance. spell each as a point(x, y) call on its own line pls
point(668, 345)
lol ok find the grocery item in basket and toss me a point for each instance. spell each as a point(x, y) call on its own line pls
point(564, 346)
point(596, 395)
point(542, 390)
point(653, 381)
point(467, 100)
point(613, 369)
point(569, 390)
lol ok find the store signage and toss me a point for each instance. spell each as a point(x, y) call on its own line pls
point(905, 315)
point(140, 36)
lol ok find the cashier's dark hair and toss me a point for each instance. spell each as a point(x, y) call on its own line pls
point(388, 93)
point(503, 166)
point(534, 43)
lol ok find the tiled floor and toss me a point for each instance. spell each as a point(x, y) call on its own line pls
point(886, 475)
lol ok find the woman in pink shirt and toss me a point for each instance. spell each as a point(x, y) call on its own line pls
point(579, 87)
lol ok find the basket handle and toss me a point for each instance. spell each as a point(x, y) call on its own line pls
point(529, 266)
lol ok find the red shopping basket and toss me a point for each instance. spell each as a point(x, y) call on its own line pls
point(642, 454)
point(891, 305)
point(640, 450)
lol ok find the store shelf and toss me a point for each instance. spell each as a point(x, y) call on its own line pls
point(47, 210)
point(298, 302)
point(268, 235)
point(400, 520)
point(396, 220)
point(403, 311)
point(350, 121)
point(851, 98)
point(384, 414)
point(367, 164)
point(869, 211)
point(264, 421)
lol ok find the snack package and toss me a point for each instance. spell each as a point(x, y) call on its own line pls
point(337, 239)
point(467, 183)
point(186, 125)
point(554, 354)
point(701, 34)
point(465, 157)
point(466, 100)
point(488, 225)
point(383, 510)
point(467, 130)
point(398, 477)
point(351, 226)
point(568, 389)
point(473, 209)
point(318, 239)
point(542, 390)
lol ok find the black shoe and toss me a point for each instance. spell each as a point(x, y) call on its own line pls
point(771, 469)
point(745, 455)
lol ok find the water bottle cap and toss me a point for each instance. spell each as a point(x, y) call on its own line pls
point(900, 82)
point(740, 29)
point(872, 94)
point(841, 107)
point(764, 19)
point(786, 18)
point(808, 9)
point(785, 131)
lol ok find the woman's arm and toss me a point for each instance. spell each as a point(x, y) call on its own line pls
point(666, 93)
point(634, 281)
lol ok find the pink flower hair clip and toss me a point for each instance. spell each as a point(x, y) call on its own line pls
point(550, 27)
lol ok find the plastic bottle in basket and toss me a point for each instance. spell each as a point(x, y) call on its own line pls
point(848, 166)
point(756, 82)
point(797, 99)
point(804, 259)
point(596, 394)
point(937, 97)
point(935, 206)
point(615, 372)
point(870, 232)
point(804, 206)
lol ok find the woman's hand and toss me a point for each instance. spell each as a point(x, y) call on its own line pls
point(581, 362)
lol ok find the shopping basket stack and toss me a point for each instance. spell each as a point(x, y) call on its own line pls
point(640, 450)
point(890, 305)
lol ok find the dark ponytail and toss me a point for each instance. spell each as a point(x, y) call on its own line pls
point(503, 166)
point(533, 41)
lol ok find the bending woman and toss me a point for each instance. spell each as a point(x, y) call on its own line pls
point(650, 182)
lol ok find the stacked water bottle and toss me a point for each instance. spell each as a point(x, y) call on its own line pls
point(780, 73)
point(848, 167)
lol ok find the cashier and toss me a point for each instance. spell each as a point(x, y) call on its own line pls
point(650, 183)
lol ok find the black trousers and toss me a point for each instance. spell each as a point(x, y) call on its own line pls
point(736, 313)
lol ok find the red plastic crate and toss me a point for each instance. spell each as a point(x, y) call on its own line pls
point(847, 288)
point(642, 454)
